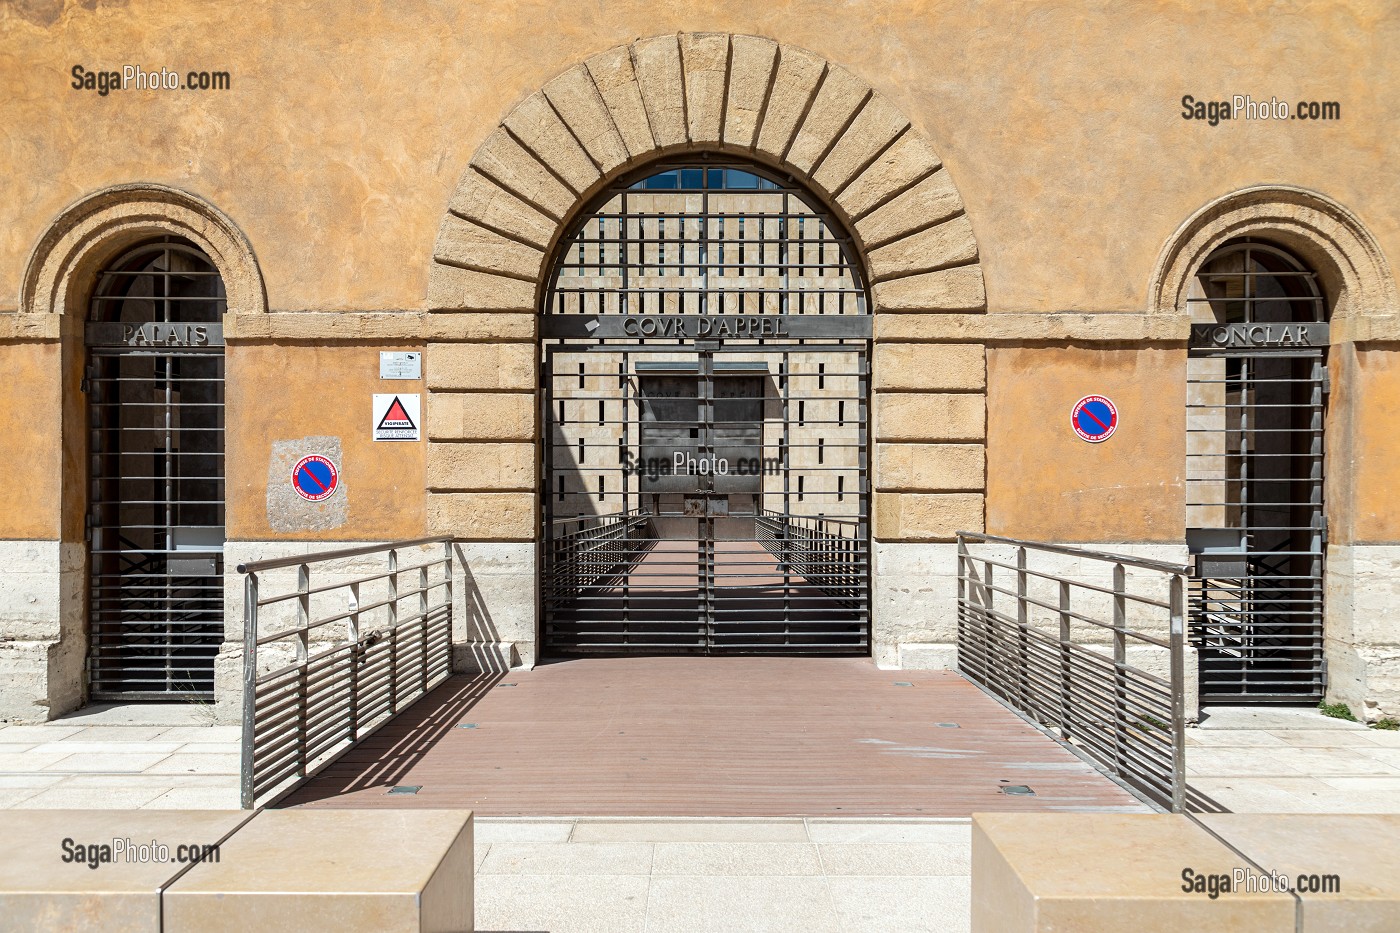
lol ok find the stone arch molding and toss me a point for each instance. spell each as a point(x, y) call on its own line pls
point(64, 265)
point(747, 95)
point(1354, 273)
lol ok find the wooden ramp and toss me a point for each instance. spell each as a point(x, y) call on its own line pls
point(712, 736)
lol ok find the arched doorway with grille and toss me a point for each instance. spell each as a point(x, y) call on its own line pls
point(1256, 519)
point(704, 405)
point(154, 385)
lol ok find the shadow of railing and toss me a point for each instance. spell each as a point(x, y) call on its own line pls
point(386, 757)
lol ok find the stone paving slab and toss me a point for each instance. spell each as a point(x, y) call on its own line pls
point(127, 757)
point(723, 875)
point(1293, 761)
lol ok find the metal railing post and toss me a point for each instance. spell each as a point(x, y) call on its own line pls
point(250, 690)
point(393, 631)
point(1066, 668)
point(1023, 655)
point(353, 623)
point(423, 621)
point(303, 654)
point(1120, 663)
point(1178, 679)
point(447, 567)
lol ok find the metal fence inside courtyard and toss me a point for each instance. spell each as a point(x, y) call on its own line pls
point(336, 644)
point(1088, 644)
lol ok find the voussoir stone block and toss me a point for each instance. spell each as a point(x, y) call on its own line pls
point(930, 417)
point(507, 162)
point(929, 366)
point(794, 82)
point(706, 59)
point(837, 99)
point(947, 244)
point(481, 200)
point(467, 244)
point(751, 62)
point(473, 366)
point(451, 288)
point(481, 416)
point(957, 289)
point(877, 124)
point(903, 516)
point(481, 326)
point(475, 467)
point(616, 79)
point(908, 159)
point(932, 200)
point(483, 516)
point(581, 106)
point(535, 124)
point(660, 76)
point(930, 467)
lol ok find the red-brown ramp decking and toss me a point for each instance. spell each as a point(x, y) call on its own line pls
point(712, 736)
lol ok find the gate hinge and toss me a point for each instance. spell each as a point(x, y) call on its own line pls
point(1326, 381)
point(87, 527)
point(1322, 526)
point(86, 383)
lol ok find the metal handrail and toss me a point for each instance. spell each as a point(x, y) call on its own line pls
point(393, 650)
point(1126, 559)
point(1127, 719)
point(277, 563)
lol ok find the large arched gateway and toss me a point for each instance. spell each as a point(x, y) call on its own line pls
point(705, 380)
point(717, 247)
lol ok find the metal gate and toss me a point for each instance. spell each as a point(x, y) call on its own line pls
point(704, 401)
point(1257, 391)
point(155, 399)
point(706, 501)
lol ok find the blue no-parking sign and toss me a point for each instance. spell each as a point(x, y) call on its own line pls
point(315, 478)
point(1094, 418)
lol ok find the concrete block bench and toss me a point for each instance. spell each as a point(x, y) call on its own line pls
point(60, 869)
point(293, 870)
point(341, 870)
point(1144, 873)
point(1107, 872)
point(1361, 850)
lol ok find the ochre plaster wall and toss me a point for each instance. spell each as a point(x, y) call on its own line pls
point(282, 393)
point(1376, 448)
point(348, 125)
point(30, 456)
point(1045, 484)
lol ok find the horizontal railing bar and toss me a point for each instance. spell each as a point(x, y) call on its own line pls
point(278, 562)
point(1124, 559)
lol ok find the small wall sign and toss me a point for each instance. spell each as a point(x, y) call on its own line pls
point(397, 417)
point(1094, 419)
point(315, 478)
point(400, 365)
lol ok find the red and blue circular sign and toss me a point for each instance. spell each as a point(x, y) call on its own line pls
point(315, 478)
point(1094, 419)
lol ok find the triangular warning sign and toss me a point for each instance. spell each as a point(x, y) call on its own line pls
point(396, 417)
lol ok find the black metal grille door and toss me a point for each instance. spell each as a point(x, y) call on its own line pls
point(1256, 408)
point(155, 393)
point(704, 396)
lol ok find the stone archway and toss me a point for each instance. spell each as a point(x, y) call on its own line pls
point(796, 112)
point(1359, 643)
